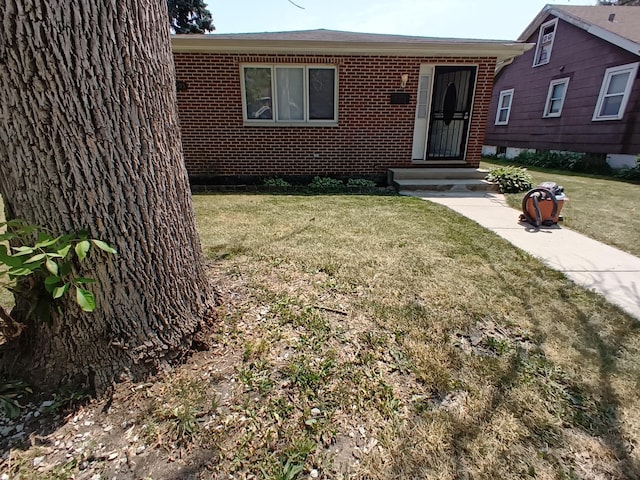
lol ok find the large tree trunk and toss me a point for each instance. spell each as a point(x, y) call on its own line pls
point(89, 139)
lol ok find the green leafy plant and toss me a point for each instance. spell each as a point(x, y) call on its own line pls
point(175, 413)
point(41, 266)
point(185, 423)
point(326, 183)
point(632, 173)
point(361, 183)
point(511, 179)
point(500, 346)
point(289, 471)
point(9, 392)
point(66, 398)
point(571, 161)
point(256, 376)
point(276, 182)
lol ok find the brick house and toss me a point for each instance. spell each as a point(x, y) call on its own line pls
point(298, 104)
point(578, 90)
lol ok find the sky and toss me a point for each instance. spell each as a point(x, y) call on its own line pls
point(480, 19)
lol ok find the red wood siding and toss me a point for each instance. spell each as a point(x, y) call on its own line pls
point(371, 136)
point(584, 58)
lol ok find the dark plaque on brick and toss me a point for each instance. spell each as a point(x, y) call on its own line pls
point(400, 98)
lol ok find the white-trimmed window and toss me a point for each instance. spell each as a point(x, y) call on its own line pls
point(289, 93)
point(614, 92)
point(504, 107)
point(545, 43)
point(555, 97)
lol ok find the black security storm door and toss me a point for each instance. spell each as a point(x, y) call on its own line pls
point(450, 112)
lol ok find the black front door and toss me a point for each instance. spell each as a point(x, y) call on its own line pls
point(450, 112)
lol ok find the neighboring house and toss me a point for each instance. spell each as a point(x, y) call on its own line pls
point(334, 103)
point(577, 90)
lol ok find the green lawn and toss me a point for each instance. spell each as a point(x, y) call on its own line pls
point(456, 353)
point(605, 209)
point(378, 337)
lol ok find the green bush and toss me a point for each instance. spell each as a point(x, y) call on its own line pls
point(632, 173)
point(361, 183)
point(511, 179)
point(276, 182)
point(570, 161)
point(326, 183)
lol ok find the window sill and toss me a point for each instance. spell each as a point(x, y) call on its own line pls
point(289, 124)
point(605, 119)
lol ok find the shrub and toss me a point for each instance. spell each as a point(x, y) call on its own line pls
point(325, 183)
point(571, 161)
point(511, 179)
point(628, 173)
point(276, 182)
point(361, 183)
point(632, 173)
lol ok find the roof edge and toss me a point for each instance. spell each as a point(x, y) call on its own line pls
point(502, 51)
point(602, 33)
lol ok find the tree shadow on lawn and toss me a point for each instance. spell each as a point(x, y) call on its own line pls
point(600, 342)
point(582, 410)
point(608, 425)
point(594, 411)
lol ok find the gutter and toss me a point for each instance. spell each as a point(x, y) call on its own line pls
point(503, 51)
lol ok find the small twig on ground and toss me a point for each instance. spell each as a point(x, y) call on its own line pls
point(329, 309)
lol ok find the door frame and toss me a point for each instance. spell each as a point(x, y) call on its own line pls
point(420, 151)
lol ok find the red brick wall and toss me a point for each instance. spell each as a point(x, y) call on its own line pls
point(371, 136)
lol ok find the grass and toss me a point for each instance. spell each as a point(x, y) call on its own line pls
point(386, 337)
point(602, 208)
point(457, 354)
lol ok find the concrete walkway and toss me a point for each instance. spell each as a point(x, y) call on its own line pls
point(594, 265)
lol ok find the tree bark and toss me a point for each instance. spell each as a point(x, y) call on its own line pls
point(90, 140)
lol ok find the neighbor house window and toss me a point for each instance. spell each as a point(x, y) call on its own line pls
point(504, 107)
point(289, 93)
point(545, 43)
point(555, 97)
point(615, 91)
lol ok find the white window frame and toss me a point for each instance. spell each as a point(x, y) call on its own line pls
point(609, 73)
point(545, 40)
point(274, 92)
point(504, 93)
point(547, 106)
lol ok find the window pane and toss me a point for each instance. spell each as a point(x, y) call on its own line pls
point(257, 84)
point(423, 96)
point(506, 100)
point(544, 54)
point(618, 83)
point(611, 105)
point(549, 29)
point(290, 93)
point(555, 106)
point(321, 93)
point(558, 90)
point(502, 117)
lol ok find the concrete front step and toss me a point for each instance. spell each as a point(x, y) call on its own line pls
point(435, 173)
point(440, 179)
point(445, 184)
